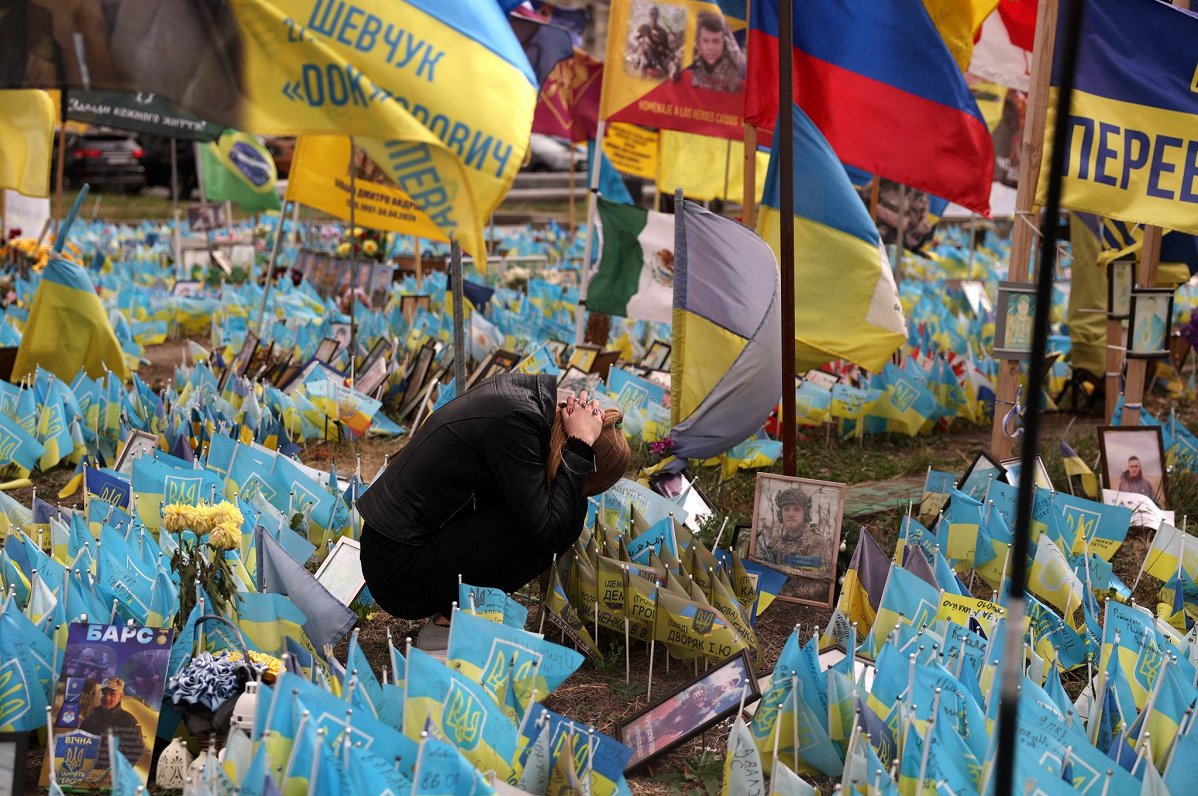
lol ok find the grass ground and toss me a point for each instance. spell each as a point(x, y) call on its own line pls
point(599, 694)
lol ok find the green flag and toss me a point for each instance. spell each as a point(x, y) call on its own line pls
point(239, 169)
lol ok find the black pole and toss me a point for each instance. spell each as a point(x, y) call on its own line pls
point(784, 137)
point(1012, 653)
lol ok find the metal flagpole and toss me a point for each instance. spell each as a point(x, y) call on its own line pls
point(784, 140)
point(1012, 658)
point(592, 196)
point(270, 264)
point(459, 325)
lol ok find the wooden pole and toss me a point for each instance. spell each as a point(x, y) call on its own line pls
point(1034, 124)
point(1150, 258)
point(1133, 388)
point(749, 199)
point(784, 141)
point(573, 220)
point(419, 265)
point(873, 197)
point(1115, 342)
point(62, 158)
point(727, 169)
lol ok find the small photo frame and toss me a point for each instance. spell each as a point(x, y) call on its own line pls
point(796, 530)
point(1120, 282)
point(416, 377)
point(327, 349)
point(341, 571)
point(583, 356)
point(862, 666)
point(1149, 325)
point(498, 361)
point(410, 303)
point(558, 349)
point(1014, 467)
point(576, 380)
point(243, 357)
point(821, 378)
point(1014, 320)
point(1133, 461)
point(603, 363)
point(14, 752)
point(137, 443)
point(343, 334)
point(187, 288)
point(657, 356)
point(977, 478)
point(708, 699)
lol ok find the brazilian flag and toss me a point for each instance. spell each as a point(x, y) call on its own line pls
point(238, 168)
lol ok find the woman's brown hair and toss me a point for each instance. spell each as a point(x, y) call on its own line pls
point(611, 452)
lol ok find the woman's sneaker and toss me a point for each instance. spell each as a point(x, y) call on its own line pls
point(433, 639)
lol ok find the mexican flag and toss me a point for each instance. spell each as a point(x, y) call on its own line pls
point(636, 264)
point(239, 169)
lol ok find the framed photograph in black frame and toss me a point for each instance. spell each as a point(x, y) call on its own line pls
point(1150, 320)
point(977, 478)
point(657, 356)
point(1120, 282)
point(708, 699)
point(1133, 461)
point(14, 749)
point(1013, 320)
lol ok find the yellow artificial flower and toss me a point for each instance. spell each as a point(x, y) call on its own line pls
point(175, 517)
point(224, 536)
point(370, 248)
point(343, 249)
point(226, 513)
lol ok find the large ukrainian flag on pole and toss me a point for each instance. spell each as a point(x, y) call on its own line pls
point(726, 367)
point(1133, 145)
point(846, 301)
point(439, 94)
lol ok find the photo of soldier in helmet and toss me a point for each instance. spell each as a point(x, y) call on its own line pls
point(796, 531)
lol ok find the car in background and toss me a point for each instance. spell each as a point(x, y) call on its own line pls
point(104, 159)
point(547, 153)
point(156, 159)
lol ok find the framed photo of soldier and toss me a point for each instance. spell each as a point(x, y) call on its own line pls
point(796, 530)
point(1120, 281)
point(1133, 461)
point(708, 699)
point(1150, 320)
point(1013, 319)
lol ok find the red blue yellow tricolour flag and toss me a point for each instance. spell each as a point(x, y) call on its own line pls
point(439, 94)
point(1133, 149)
point(846, 303)
point(877, 79)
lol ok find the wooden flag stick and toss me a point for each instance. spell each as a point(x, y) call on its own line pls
point(1133, 388)
point(1022, 236)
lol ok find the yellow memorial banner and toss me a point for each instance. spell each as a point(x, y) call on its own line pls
point(319, 178)
point(632, 150)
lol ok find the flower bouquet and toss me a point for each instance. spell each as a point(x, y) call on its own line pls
point(205, 533)
point(363, 243)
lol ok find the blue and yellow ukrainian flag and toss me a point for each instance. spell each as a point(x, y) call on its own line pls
point(439, 95)
point(1131, 116)
point(462, 711)
point(68, 328)
point(850, 308)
